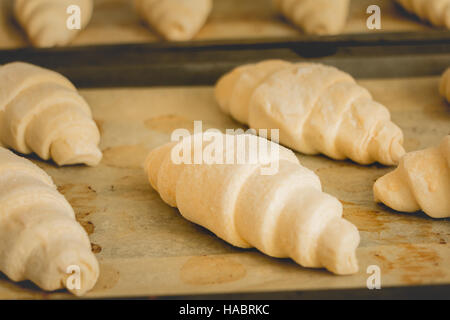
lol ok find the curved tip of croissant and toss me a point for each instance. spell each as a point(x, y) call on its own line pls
point(386, 147)
point(48, 36)
point(393, 190)
point(338, 244)
point(69, 151)
point(397, 151)
point(177, 32)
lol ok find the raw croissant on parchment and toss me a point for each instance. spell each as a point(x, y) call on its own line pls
point(445, 85)
point(421, 182)
point(45, 21)
point(39, 236)
point(435, 11)
point(41, 112)
point(316, 16)
point(317, 108)
point(285, 214)
point(176, 20)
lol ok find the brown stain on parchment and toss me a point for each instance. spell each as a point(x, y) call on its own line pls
point(81, 197)
point(376, 221)
point(109, 276)
point(95, 248)
point(416, 264)
point(168, 123)
point(363, 219)
point(88, 226)
point(205, 270)
point(132, 188)
point(128, 156)
point(78, 194)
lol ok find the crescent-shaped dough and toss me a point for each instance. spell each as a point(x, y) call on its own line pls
point(41, 112)
point(436, 12)
point(45, 21)
point(316, 16)
point(317, 108)
point(421, 182)
point(39, 236)
point(283, 214)
point(176, 20)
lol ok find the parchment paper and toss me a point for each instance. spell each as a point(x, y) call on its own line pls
point(146, 248)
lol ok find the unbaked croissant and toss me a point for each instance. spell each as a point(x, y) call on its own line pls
point(317, 108)
point(283, 214)
point(421, 182)
point(40, 240)
point(445, 85)
point(41, 112)
point(45, 21)
point(316, 16)
point(177, 20)
point(435, 11)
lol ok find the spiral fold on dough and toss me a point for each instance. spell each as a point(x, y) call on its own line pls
point(317, 108)
point(176, 20)
point(39, 236)
point(41, 112)
point(45, 21)
point(284, 214)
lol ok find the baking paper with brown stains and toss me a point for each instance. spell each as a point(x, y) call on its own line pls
point(146, 248)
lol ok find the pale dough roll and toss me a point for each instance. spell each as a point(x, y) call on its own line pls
point(45, 21)
point(421, 182)
point(283, 214)
point(436, 12)
point(320, 17)
point(176, 20)
point(317, 108)
point(39, 236)
point(41, 112)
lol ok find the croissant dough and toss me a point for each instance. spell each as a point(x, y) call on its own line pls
point(45, 21)
point(283, 215)
point(176, 20)
point(435, 11)
point(316, 16)
point(317, 108)
point(421, 182)
point(39, 236)
point(41, 112)
point(445, 85)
